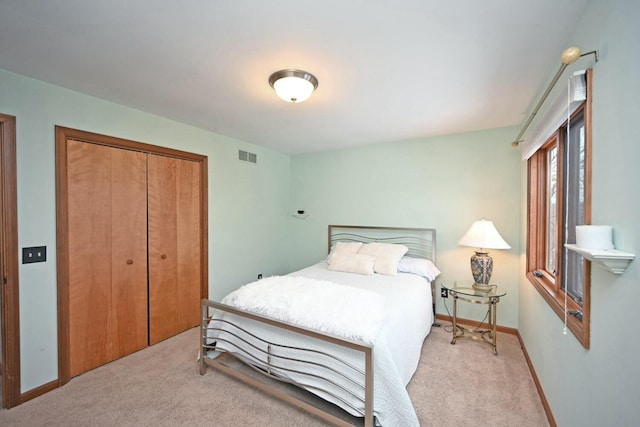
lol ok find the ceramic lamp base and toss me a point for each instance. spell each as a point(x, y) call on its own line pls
point(481, 268)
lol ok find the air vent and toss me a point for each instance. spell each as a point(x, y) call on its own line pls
point(245, 156)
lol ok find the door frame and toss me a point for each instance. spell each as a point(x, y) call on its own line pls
point(10, 331)
point(62, 230)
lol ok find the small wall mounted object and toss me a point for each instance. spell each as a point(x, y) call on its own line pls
point(595, 243)
point(612, 260)
point(301, 214)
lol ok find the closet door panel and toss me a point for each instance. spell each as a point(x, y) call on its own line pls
point(129, 251)
point(163, 265)
point(89, 176)
point(106, 294)
point(174, 246)
point(189, 238)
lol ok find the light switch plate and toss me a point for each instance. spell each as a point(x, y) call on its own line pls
point(34, 254)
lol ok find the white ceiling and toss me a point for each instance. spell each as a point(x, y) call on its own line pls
point(389, 70)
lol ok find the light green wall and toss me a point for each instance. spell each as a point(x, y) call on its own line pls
point(597, 387)
point(248, 216)
point(444, 183)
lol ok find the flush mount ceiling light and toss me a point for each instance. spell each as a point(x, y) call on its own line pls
point(293, 85)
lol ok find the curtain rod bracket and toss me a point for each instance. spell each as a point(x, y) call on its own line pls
point(593, 52)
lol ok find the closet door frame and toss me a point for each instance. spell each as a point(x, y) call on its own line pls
point(62, 135)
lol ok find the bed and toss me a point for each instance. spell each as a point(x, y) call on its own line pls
point(334, 329)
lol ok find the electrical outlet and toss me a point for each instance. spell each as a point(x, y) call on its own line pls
point(444, 293)
point(259, 276)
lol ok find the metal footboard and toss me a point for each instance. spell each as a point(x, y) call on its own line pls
point(314, 369)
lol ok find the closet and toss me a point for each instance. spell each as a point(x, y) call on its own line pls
point(131, 246)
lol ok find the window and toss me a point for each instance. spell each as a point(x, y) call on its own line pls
point(559, 198)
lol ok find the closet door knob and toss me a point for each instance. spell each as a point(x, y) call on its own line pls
point(129, 261)
point(163, 256)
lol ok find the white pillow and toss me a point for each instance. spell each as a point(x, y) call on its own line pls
point(387, 256)
point(420, 266)
point(342, 248)
point(352, 263)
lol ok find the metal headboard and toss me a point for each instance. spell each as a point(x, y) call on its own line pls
point(420, 241)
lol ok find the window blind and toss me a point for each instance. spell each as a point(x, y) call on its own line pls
point(556, 114)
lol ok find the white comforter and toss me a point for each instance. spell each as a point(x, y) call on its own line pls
point(356, 315)
point(404, 313)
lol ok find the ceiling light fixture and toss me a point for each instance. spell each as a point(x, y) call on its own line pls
point(293, 85)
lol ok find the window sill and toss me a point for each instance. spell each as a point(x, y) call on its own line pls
point(580, 329)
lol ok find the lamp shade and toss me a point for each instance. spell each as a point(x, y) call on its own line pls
point(293, 85)
point(483, 234)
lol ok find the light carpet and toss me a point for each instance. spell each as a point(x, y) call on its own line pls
point(455, 385)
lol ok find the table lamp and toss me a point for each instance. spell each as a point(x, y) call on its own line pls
point(482, 235)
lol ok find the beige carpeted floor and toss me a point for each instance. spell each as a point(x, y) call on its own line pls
point(455, 385)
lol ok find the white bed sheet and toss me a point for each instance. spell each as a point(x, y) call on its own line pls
point(408, 319)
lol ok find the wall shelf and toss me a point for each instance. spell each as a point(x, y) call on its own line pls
point(613, 260)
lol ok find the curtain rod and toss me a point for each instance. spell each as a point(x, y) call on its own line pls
point(569, 56)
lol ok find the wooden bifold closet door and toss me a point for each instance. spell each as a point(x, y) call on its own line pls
point(107, 205)
point(174, 250)
point(132, 247)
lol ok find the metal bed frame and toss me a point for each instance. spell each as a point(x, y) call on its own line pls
point(266, 357)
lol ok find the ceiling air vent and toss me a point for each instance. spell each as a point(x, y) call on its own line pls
point(245, 156)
